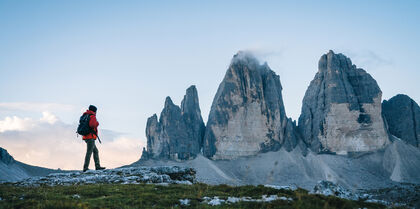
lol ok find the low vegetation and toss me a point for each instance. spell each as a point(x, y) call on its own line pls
point(162, 196)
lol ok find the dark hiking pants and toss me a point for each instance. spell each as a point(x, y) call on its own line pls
point(91, 148)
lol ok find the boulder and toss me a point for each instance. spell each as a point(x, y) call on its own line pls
point(402, 115)
point(329, 188)
point(341, 110)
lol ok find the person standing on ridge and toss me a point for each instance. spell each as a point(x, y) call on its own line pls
point(90, 140)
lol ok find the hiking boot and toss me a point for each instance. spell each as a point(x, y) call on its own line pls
point(100, 168)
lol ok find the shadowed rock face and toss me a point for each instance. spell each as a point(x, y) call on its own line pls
point(5, 157)
point(403, 117)
point(247, 115)
point(341, 110)
point(191, 114)
point(179, 132)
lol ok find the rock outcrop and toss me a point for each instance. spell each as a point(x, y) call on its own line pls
point(247, 115)
point(403, 118)
point(341, 110)
point(329, 188)
point(130, 175)
point(179, 132)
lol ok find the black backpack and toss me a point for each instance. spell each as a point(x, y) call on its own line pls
point(84, 128)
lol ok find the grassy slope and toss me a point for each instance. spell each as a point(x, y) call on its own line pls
point(156, 196)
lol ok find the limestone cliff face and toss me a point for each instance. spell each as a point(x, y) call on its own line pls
point(247, 115)
point(179, 132)
point(403, 117)
point(341, 110)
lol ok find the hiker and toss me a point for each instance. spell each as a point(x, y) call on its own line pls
point(90, 139)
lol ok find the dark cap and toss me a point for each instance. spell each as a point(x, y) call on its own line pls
point(92, 108)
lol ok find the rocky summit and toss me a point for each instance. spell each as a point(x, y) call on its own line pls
point(179, 132)
point(403, 117)
point(341, 110)
point(247, 115)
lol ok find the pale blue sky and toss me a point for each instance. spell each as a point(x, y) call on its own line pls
point(127, 56)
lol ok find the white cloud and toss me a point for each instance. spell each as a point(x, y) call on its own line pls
point(48, 117)
point(121, 151)
point(16, 124)
point(48, 142)
point(264, 52)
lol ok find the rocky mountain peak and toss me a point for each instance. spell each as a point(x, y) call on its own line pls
point(247, 115)
point(168, 103)
point(341, 110)
point(5, 157)
point(190, 101)
point(179, 132)
point(403, 118)
point(334, 61)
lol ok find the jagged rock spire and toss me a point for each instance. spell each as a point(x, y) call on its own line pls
point(179, 131)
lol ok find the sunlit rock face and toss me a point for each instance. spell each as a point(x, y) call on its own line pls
point(341, 110)
point(247, 115)
point(403, 117)
point(179, 132)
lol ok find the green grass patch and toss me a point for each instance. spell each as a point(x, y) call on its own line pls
point(158, 196)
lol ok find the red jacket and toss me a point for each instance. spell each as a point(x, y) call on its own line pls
point(93, 123)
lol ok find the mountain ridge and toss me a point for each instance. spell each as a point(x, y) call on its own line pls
point(13, 170)
point(341, 112)
point(343, 133)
